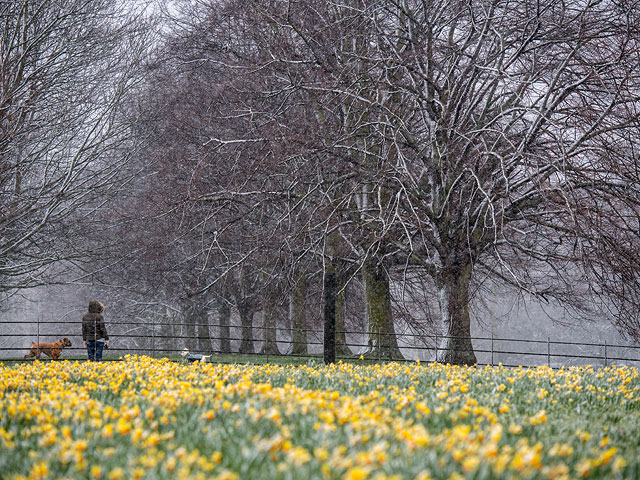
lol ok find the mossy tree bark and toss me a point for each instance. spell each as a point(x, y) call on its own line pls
point(456, 346)
point(333, 264)
point(341, 339)
point(169, 331)
point(224, 319)
point(269, 306)
point(189, 328)
point(196, 327)
point(246, 310)
point(202, 327)
point(382, 338)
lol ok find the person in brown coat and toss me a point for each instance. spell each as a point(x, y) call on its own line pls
point(94, 333)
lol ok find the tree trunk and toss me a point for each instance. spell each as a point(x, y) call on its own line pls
point(175, 330)
point(246, 323)
point(196, 327)
point(298, 317)
point(382, 338)
point(190, 328)
point(329, 300)
point(204, 335)
point(224, 319)
point(341, 340)
point(270, 344)
point(456, 347)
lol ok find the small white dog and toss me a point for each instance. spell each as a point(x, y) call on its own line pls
point(194, 357)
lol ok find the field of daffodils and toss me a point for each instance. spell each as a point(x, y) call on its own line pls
point(144, 418)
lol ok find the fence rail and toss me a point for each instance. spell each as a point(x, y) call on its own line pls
point(168, 339)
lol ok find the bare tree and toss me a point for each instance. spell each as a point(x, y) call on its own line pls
point(65, 71)
point(499, 115)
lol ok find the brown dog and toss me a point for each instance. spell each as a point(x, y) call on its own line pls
point(52, 349)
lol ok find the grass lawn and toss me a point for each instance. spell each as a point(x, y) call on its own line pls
point(161, 419)
point(235, 358)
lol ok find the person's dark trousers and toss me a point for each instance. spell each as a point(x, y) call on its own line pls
point(94, 350)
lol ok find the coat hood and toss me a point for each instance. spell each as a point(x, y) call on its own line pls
point(96, 307)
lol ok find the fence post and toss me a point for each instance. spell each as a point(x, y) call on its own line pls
point(606, 359)
point(548, 351)
point(38, 334)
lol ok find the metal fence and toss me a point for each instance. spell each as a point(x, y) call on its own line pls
point(169, 339)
